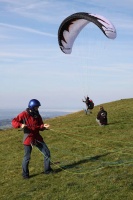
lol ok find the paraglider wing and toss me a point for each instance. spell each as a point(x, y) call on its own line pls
point(72, 25)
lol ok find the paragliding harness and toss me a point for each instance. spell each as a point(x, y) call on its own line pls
point(90, 104)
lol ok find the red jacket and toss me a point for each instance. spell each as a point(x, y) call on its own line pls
point(31, 132)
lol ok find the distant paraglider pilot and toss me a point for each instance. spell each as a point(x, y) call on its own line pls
point(102, 117)
point(89, 105)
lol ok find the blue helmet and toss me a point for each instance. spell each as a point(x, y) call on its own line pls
point(33, 103)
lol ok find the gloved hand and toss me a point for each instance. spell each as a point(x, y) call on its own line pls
point(23, 126)
point(46, 126)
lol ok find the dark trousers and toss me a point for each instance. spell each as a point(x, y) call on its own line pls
point(28, 149)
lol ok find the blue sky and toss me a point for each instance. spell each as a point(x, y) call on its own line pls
point(33, 66)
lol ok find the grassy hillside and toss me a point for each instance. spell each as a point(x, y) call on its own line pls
point(91, 162)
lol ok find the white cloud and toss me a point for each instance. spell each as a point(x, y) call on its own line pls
point(14, 55)
point(31, 30)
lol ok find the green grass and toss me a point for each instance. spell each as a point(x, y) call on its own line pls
point(91, 162)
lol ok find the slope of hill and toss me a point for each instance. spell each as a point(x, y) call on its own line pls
point(91, 162)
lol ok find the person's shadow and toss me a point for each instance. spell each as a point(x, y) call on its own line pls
point(75, 164)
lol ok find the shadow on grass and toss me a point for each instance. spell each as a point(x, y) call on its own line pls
point(33, 175)
point(75, 164)
point(117, 122)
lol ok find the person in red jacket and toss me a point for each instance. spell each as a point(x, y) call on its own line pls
point(30, 121)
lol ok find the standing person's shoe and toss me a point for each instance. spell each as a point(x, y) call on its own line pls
point(26, 177)
point(50, 171)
